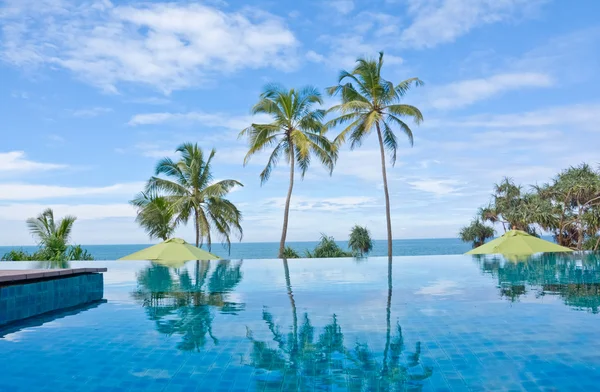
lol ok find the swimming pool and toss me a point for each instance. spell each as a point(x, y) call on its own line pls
point(439, 323)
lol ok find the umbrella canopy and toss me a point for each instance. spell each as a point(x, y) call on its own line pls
point(174, 250)
point(517, 242)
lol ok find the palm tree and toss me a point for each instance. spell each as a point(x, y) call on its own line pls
point(155, 214)
point(53, 236)
point(360, 240)
point(477, 233)
point(371, 102)
point(296, 133)
point(190, 188)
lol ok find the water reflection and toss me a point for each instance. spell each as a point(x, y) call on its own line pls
point(183, 304)
point(575, 277)
point(301, 361)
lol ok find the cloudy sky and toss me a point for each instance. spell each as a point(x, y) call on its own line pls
point(94, 92)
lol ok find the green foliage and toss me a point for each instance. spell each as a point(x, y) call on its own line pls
point(568, 207)
point(191, 193)
point(156, 214)
point(326, 248)
point(290, 253)
point(360, 240)
point(52, 237)
point(72, 253)
point(477, 233)
point(296, 132)
point(371, 102)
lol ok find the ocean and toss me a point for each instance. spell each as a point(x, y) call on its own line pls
point(268, 250)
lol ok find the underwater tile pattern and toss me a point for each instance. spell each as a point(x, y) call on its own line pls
point(22, 300)
point(444, 323)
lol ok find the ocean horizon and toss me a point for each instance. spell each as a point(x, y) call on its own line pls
point(268, 250)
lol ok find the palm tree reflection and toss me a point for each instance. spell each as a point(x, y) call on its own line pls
point(301, 362)
point(182, 305)
point(575, 278)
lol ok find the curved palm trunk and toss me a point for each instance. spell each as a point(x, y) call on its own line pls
point(197, 221)
point(388, 317)
point(385, 191)
point(286, 211)
point(292, 304)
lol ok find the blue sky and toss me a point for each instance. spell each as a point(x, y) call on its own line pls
point(94, 92)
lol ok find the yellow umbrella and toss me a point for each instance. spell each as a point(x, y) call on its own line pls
point(172, 252)
point(517, 242)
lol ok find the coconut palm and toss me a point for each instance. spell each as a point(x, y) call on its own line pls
point(53, 236)
point(295, 134)
point(155, 214)
point(360, 240)
point(189, 186)
point(369, 102)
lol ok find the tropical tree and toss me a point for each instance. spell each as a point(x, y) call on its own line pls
point(53, 236)
point(360, 240)
point(290, 253)
point(190, 188)
point(477, 233)
point(327, 248)
point(369, 102)
point(155, 214)
point(296, 134)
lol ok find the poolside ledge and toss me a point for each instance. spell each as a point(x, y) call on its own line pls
point(29, 293)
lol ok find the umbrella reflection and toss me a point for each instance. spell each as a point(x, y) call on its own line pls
point(183, 305)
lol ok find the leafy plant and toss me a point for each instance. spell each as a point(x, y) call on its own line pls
point(360, 240)
point(326, 248)
point(290, 253)
point(296, 134)
point(369, 102)
point(190, 188)
point(156, 214)
point(477, 233)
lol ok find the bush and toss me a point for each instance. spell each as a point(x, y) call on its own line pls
point(290, 253)
point(326, 248)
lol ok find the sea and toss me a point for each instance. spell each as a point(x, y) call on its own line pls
point(269, 250)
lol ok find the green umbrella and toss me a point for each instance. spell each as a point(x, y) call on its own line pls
point(517, 242)
point(172, 251)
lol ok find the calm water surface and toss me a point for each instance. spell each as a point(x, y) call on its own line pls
point(436, 323)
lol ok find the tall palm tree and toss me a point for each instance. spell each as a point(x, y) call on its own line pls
point(296, 132)
point(369, 102)
point(155, 214)
point(52, 235)
point(189, 186)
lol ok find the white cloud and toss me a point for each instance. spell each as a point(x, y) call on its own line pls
point(582, 116)
point(442, 21)
point(39, 192)
point(342, 6)
point(342, 203)
point(91, 112)
point(166, 45)
point(209, 119)
point(437, 187)
point(467, 92)
point(23, 211)
point(346, 48)
point(15, 161)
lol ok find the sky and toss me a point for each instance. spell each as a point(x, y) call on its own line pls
point(93, 93)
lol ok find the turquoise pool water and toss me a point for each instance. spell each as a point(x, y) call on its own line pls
point(435, 323)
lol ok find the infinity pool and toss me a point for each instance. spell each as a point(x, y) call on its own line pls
point(439, 323)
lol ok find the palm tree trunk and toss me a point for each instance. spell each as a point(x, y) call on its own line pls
point(388, 316)
point(580, 230)
point(286, 270)
point(385, 191)
point(286, 211)
point(197, 222)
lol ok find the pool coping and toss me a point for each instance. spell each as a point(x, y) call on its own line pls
point(8, 277)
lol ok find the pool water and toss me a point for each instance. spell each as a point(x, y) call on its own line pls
point(435, 323)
